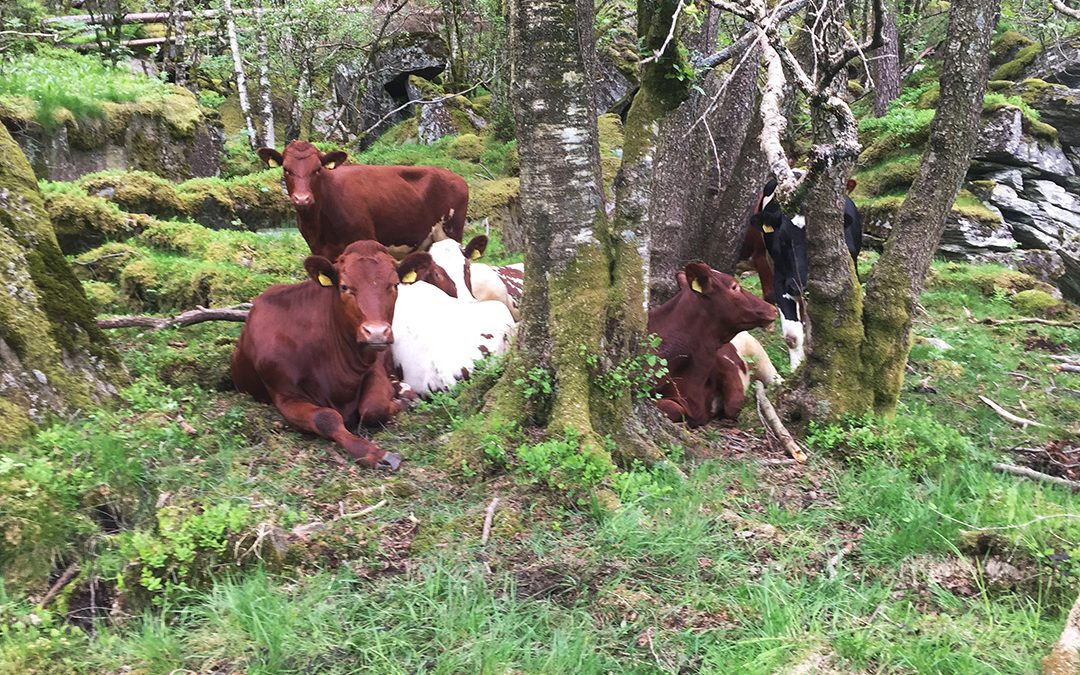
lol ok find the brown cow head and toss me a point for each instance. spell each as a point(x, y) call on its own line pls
point(302, 164)
point(724, 300)
point(474, 250)
point(420, 267)
point(365, 279)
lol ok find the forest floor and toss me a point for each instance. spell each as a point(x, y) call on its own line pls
point(201, 534)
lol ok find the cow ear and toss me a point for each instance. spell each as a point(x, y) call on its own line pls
point(474, 250)
point(332, 159)
point(851, 185)
point(413, 266)
point(697, 276)
point(271, 156)
point(321, 270)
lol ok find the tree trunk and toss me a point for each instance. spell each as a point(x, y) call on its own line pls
point(53, 357)
point(858, 346)
point(174, 49)
point(708, 169)
point(584, 307)
point(885, 65)
point(266, 99)
point(896, 282)
point(295, 124)
point(238, 71)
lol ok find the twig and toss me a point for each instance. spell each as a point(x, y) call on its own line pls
point(671, 34)
point(997, 528)
point(768, 414)
point(776, 462)
point(1008, 416)
point(1064, 657)
point(488, 518)
point(834, 562)
point(421, 101)
point(188, 318)
point(364, 511)
point(64, 580)
point(1036, 475)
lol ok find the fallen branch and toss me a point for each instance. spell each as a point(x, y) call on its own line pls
point(64, 580)
point(768, 415)
point(1008, 416)
point(1064, 657)
point(1036, 475)
point(1045, 322)
point(1066, 367)
point(188, 318)
point(834, 562)
point(488, 518)
point(786, 461)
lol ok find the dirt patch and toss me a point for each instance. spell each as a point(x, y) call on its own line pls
point(1036, 341)
point(1058, 458)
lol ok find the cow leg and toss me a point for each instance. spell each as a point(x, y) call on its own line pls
point(377, 404)
point(672, 409)
point(731, 381)
point(327, 422)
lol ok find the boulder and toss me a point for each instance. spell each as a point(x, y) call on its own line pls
point(1004, 141)
point(173, 137)
point(1058, 62)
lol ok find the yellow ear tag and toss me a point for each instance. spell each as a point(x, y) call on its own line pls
point(330, 165)
point(695, 285)
point(272, 163)
point(325, 280)
point(767, 229)
point(410, 277)
point(475, 255)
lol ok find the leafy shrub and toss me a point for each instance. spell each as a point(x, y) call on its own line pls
point(562, 464)
point(914, 441)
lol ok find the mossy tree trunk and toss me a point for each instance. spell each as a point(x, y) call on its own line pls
point(858, 346)
point(53, 357)
point(584, 307)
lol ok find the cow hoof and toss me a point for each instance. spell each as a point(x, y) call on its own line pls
point(390, 461)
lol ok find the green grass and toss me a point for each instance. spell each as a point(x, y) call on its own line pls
point(184, 499)
point(62, 80)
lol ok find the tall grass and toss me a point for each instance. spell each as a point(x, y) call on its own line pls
point(79, 83)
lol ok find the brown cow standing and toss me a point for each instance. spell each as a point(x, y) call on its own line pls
point(395, 205)
point(695, 328)
point(317, 350)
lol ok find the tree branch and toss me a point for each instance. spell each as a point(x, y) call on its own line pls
point(1060, 6)
point(188, 318)
point(877, 40)
point(749, 37)
point(670, 36)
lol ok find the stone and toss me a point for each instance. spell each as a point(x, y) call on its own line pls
point(1003, 141)
point(1058, 62)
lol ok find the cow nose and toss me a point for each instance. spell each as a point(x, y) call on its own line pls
point(376, 334)
point(302, 199)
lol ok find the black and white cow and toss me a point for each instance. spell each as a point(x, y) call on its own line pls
point(785, 240)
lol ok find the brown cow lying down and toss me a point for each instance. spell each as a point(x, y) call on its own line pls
point(317, 350)
point(394, 205)
point(709, 310)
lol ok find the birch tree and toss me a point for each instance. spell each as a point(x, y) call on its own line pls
point(238, 72)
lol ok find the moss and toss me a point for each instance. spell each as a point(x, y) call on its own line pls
point(136, 191)
point(17, 109)
point(971, 207)
point(491, 198)
point(466, 147)
point(427, 88)
point(1039, 129)
point(403, 132)
point(855, 88)
point(104, 263)
point(889, 176)
point(879, 209)
point(102, 296)
point(257, 201)
point(1006, 47)
point(82, 222)
point(610, 133)
point(999, 85)
point(929, 98)
point(1014, 69)
point(199, 363)
point(1035, 302)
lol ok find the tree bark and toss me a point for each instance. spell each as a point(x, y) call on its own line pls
point(885, 65)
point(584, 306)
point(896, 281)
point(53, 357)
point(266, 98)
point(238, 72)
point(174, 47)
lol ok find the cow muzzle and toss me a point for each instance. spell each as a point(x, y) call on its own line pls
point(375, 335)
point(302, 199)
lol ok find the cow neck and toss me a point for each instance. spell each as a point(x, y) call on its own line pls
point(343, 334)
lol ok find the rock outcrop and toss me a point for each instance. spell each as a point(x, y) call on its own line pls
point(172, 137)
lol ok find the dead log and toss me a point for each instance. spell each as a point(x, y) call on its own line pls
point(188, 318)
point(772, 421)
point(1035, 475)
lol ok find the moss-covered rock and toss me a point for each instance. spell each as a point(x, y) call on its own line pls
point(1007, 46)
point(887, 177)
point(493, 198)
point(1035, 302)
point(82, 222)
point(466, 147)
point(254, 202)
point(1014, 68)
point(53, 357)
point(136, 191)
point(104, 263)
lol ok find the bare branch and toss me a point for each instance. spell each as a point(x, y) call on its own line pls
point(188, 318)
point(748, 38)
point(421, 101)
point(877, 40)
point(1036, 475)
point(670, 36)
point(1060, 6)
